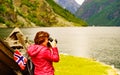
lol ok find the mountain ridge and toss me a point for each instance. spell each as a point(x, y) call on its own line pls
point(71, 5)
point(34, 13)
point(100, 13)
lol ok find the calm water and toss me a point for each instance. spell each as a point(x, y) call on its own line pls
point(100, 43)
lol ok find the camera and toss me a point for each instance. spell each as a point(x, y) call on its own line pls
point(50, 40)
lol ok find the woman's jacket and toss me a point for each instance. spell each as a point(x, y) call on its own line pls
point(43, 58)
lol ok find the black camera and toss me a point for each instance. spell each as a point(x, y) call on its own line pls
point(51, 39)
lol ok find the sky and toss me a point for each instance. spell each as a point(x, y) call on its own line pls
point(79, 1)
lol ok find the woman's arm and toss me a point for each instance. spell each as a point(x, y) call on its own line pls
point(52, 55)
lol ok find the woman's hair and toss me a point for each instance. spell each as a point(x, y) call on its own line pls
point(40, 37)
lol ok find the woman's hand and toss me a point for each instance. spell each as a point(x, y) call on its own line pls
point(53, 43)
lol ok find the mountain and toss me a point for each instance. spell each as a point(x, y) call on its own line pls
point(33, 13)
point(100, 12)
point(70, 5)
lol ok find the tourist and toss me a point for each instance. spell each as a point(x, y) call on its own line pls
point(43, 55)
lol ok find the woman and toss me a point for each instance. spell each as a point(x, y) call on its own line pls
point(43, 56)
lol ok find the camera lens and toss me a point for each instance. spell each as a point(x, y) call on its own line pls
point(51, 39)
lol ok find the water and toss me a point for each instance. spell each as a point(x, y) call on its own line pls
point(100, 43)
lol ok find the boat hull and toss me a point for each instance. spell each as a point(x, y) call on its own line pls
point(7, 64)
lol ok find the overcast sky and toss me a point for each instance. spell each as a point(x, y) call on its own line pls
point(79, 1)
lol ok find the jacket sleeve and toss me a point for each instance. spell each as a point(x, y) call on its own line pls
point(51, 55)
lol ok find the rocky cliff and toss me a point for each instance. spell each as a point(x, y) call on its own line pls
point(33, 13)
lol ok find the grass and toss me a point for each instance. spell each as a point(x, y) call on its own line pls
point(70, 65)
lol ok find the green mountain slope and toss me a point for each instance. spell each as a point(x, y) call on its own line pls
point(101, 12)
point(32, 13)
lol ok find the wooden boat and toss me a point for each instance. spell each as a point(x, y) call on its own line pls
point(16, 40)
point(7, 65)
